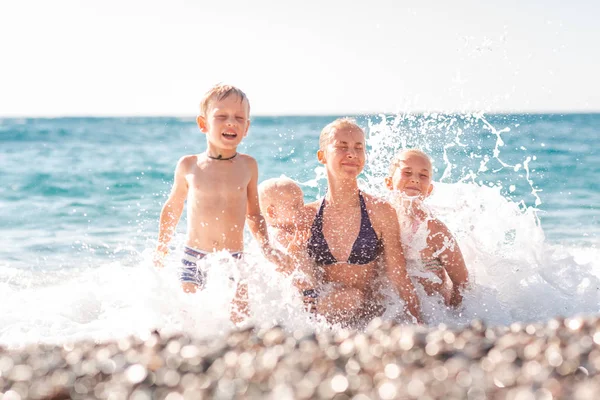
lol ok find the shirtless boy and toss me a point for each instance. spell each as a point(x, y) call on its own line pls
point(220, 187)
point(438, 251)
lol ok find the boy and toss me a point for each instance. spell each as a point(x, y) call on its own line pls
point(282, 203)
point(410, 174)
point(220, 187)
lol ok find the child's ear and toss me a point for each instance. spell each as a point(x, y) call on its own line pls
point(201, 121)
point(271, 211)
point(247, 127)
point(388, 183)
point(321, 156)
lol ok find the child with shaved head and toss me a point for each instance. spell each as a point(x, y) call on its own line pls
point(427, 241)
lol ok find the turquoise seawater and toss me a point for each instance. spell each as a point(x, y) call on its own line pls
point(81, 194)
point(77, 187)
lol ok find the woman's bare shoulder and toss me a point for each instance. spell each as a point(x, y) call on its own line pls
point(382, 214)
point(312, 207)
point(377, 204)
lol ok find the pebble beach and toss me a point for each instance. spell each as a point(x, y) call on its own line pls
point(558, 359)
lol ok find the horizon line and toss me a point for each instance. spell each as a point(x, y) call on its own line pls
point(284, 115)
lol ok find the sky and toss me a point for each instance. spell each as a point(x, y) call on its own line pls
point(310, 57)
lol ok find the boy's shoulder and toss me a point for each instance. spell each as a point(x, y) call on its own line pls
point(188, 159)
point(185, 163)
point(247, 158)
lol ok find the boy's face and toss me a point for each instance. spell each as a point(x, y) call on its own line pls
point(413, 175)
point(345, 152)
point(226, 122)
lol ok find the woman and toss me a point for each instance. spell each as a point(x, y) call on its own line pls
point(351, 232)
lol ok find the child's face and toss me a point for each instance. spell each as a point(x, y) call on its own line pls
point(413, 175)
point(287, 208)
point(226, 122)
point(345, 152)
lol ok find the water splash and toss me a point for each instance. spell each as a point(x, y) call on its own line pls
point(480, 195)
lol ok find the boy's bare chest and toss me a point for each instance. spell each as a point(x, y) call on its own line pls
point(214, 181)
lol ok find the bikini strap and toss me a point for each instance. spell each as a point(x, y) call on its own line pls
point(319, 216)
point(363, 206)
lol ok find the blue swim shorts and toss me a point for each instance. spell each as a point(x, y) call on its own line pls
point(189, 266)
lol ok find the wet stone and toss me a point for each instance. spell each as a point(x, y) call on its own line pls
point(556, 359)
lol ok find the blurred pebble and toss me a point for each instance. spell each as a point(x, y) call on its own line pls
point(558, 359)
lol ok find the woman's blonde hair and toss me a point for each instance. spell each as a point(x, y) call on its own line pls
point(339, 123)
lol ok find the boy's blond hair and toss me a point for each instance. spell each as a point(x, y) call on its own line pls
point(219, 92)
point(337, 124)
point(396, 159)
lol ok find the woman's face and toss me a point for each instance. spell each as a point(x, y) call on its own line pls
point(344, 155)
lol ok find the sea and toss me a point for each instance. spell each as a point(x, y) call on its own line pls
point(80, 200)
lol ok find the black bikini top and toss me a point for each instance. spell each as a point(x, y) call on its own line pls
point(364, 250)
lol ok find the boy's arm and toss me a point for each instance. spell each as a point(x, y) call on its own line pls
point(254, 218)
point(172, 209)
point(395, 264)
point(449, 253)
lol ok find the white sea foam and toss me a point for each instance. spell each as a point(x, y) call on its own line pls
point(515, 275)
